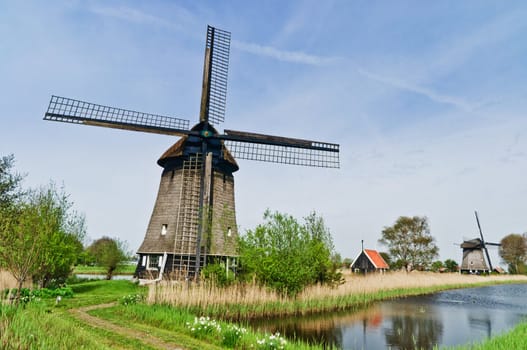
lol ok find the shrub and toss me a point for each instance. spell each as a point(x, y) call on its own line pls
point(288, 256)
point(132, 299)
point(27, 295)
point(217, 274)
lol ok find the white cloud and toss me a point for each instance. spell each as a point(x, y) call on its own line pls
point(429, 93)
point(283, 55)
point(130, 15)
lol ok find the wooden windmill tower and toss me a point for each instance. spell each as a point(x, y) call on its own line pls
point(193, 220)
point(473, 259)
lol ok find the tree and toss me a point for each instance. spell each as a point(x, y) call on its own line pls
point(324, 259)
point(387, 258)
point(40, 237)
point(287, 256)
point(451, 265)
point(109, 253)
point(513, 251)
point(21, 242)
point(410, 243)
point(10, 189)
point(63, 235)
point(346, 263)
point(437, 266)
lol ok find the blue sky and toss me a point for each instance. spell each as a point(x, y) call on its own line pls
point(427, 100)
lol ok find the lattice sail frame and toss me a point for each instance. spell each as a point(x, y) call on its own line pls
point(313, 157)
point(69, 110)
point(218, 41)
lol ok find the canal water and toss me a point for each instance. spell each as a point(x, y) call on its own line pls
point(447, 318)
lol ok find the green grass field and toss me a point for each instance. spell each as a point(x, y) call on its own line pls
point(77, 323)
point(97, 270)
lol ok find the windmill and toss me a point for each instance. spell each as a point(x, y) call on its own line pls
point(473, 259)
point(193, 220)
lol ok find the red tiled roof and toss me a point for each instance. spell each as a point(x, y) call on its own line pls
point(376, 259)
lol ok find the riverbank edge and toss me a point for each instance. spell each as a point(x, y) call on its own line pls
point(367, 299)
point(515, 338)
point(236, 312)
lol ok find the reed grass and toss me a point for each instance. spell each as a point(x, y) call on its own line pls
point(7, 281)
point(35, 327)
point(242, 301)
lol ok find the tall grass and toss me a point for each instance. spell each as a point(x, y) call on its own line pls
point(36, 327)
point(242, 301)
point(45, 324)
point(8, 281)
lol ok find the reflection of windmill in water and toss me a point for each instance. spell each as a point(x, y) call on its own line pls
point(193, 220)
point(473, 258)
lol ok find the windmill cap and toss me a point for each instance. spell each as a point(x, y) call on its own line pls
point(179, 151)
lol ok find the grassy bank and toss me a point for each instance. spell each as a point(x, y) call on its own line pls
point(244, 301)
point(165, 322)
point(45, 324)
point(514, 339)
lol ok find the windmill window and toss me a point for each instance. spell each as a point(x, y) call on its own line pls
point(229, 231)
point(153, 261)
point(164, 228)
point(143, 263)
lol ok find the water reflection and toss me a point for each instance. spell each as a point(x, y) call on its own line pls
point(319, 329)
point(413, 326)
point(444, 319)
point(481, 323)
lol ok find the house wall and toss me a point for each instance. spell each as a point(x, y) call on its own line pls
point(363, 264)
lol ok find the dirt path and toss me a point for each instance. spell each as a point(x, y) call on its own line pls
point(82, 314)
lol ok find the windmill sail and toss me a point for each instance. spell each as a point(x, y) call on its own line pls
point(215, 70)
point(483, 241)
point(285, 150)
point(68, 110)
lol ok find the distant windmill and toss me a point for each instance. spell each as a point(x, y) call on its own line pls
point(193, 221)
point(473, 259)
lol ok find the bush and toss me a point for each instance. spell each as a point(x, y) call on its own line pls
point(217, 274)
point(132, 299)
point(288, 256)
point(27, 295)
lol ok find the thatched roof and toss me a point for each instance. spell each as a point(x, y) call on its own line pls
point(472, 244)
point(177, 150)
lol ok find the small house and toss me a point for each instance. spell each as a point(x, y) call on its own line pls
point(369, 261)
